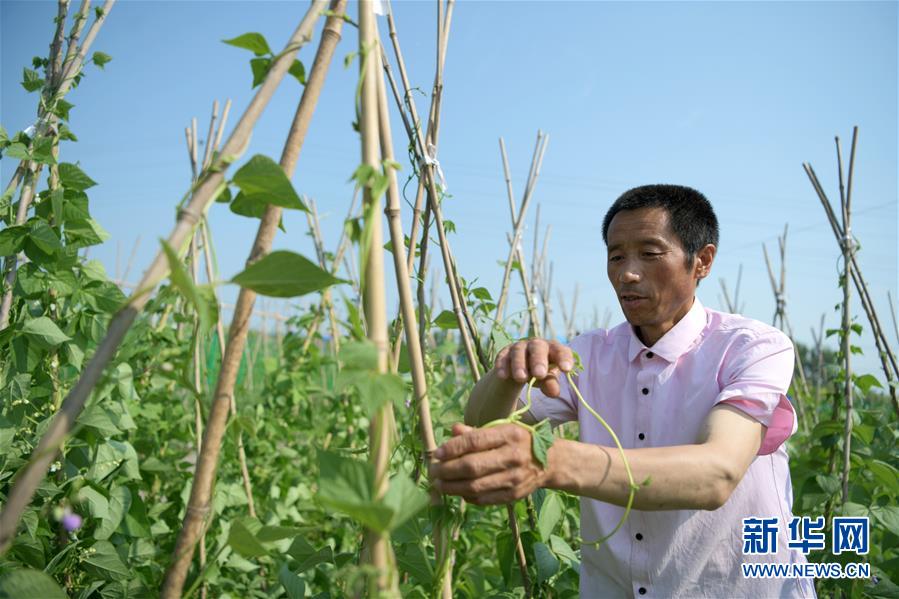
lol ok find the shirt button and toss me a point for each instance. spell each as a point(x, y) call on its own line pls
point(649, 354)
point(642, 590)
point(641, 436)
point(645, 391)
point(639, 536)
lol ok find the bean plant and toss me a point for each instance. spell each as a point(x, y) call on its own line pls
point(106, 518)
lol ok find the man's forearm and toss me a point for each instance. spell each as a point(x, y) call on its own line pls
point(680, 477)
point(492, 398)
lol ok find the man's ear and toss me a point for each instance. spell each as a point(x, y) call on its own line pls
point(702, 263)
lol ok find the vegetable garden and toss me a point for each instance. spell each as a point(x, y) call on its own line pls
point(149, 445)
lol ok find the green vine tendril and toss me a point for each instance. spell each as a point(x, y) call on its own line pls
point(515, 418)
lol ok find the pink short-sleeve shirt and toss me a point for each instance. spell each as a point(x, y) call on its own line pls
point(659, 397)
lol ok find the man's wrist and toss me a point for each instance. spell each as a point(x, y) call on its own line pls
point(558, 474)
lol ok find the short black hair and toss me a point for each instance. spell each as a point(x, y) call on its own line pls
point(690, 214)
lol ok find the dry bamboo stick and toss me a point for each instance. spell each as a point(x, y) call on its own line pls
point(198, 390)
point(427, 167)
point(54, 66)
point(335, 266)
point(201, 489)
point(893, 314)
point(887, 358)
point(220, 333)
point(407, 310)
point(377, 545)
point(540, 148)
point(519, 252)
point(848, 248)
point(207, 152)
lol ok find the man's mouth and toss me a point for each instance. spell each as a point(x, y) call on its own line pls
point(631, 299)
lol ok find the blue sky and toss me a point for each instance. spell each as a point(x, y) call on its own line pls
point(727, 97)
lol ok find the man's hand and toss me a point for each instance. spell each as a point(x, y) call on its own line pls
point(487, 466)
point(537, 358)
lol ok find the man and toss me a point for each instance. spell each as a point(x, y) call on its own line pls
point(697, 398)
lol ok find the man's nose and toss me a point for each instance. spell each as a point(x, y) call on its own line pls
point(628, 275)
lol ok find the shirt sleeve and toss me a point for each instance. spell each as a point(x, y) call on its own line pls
point(563, 408)
point(755, 378)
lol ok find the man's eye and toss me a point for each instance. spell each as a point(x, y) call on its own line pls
point(614, 258)
point(652, 254)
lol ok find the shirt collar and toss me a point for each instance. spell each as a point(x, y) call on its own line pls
point(678, 340)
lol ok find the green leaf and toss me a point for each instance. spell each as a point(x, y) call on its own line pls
point(44, 332)
point(42, 150)
point(446, 320)
point(293, 584)
point(405, 498)
point(358, 355)
point(412, 559)
point(549, 516)
point(84, 232)
point(206, 311)
point(72, 177)
point(866, 381)
point(885, 474)
point(254, 42)
point(17, 150)
point(307, 556)
point(244, 542)
point(97, 504)
point(105, 558)
point(547, 563)
point(260, 68)
point(346, 485)
point(263, 180)
point(62, 109)
point(541, 441)
point(29, 583)
point(31, 80)
point(100, 59)
point(269, 534)
point(298, 71)
point(12, 239)
point(284, 274)
point(118, 505)
point(563, 550)
point(888, 516)
point(43, 236)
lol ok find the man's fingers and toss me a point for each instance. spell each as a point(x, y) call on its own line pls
point(518, 362)
point(550, 385)
point(538, 352)
point(500, 481)
point(460, 429)
point(501, 363)
point(476, 440)
point(473, 465)
point(561, 355)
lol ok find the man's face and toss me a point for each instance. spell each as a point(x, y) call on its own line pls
point(647, 266)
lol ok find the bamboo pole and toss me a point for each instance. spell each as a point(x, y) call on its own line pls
point(377, 551)
point(514, 247)
point(848, 248)
point(201, 490)
point(211, 268)
point(781, 320)
point(887, 358)
point(407, 310)
point(30, 476)
point(519, 252)
point(220, 333)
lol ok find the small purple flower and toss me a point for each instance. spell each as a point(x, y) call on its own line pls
point(71, 521)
